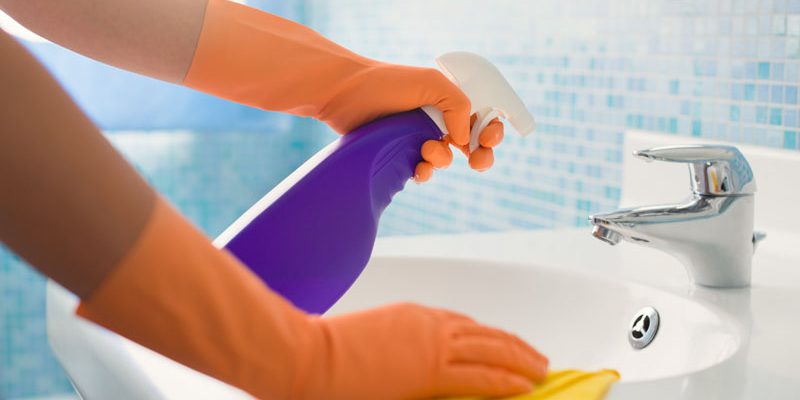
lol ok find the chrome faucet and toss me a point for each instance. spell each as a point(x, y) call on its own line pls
point(711, 233)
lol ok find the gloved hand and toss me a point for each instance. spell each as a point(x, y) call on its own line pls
point(408, 351)
point(178, 295)
point(265, 61)
point(437, 153)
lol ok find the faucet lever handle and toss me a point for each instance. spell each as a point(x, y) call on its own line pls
point(715, 170)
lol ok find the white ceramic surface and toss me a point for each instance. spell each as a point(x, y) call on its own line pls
point(579, 321)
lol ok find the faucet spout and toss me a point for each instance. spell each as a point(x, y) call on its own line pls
point(651, 224)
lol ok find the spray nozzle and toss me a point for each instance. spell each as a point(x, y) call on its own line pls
point(489, 92)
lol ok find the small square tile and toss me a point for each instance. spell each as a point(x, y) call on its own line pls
point(793, 25)
point(776, 94)
point(775, 116)
point(779, 25)
point(790, 95)
point(790, 140)
point(763, 70)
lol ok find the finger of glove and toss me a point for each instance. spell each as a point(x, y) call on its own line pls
point(453, 103)
point(479, 380)
point(498, 353)
point(423, 172)
point(492, 135)
point(437, 153)
point(464, 148)
point(481, 159)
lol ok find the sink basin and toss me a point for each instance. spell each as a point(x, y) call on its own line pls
point(577, 320)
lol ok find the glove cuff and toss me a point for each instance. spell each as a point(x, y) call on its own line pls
point(255, 58)
point(178, 295)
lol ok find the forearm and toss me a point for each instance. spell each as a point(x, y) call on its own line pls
point(70, 205)
point(156, 38)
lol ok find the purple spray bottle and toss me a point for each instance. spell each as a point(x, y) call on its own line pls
point(312, 235)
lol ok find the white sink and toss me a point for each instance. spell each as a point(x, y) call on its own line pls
point(569, 295)
point(577, 320)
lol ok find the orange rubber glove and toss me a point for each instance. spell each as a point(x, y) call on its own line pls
point(255, 58)
point(177, 294)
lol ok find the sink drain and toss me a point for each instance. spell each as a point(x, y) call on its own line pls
point(643, 328)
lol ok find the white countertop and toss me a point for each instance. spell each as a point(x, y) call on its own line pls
point(767, 365)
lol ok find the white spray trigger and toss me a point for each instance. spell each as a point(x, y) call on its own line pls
point(489, 92)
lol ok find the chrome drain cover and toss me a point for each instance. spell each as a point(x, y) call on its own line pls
point(643, 327)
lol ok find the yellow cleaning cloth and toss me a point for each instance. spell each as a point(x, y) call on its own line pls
point(569, 384)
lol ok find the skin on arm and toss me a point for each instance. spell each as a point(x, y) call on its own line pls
point(155, 38)
point(70, 205)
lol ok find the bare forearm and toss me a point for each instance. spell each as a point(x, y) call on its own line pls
point(152, 37)
point(70, 204)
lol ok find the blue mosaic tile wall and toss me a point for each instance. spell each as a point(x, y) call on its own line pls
point(589, 70)
point(27, 367)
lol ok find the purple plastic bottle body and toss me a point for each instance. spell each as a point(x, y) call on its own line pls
point(315, 236)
